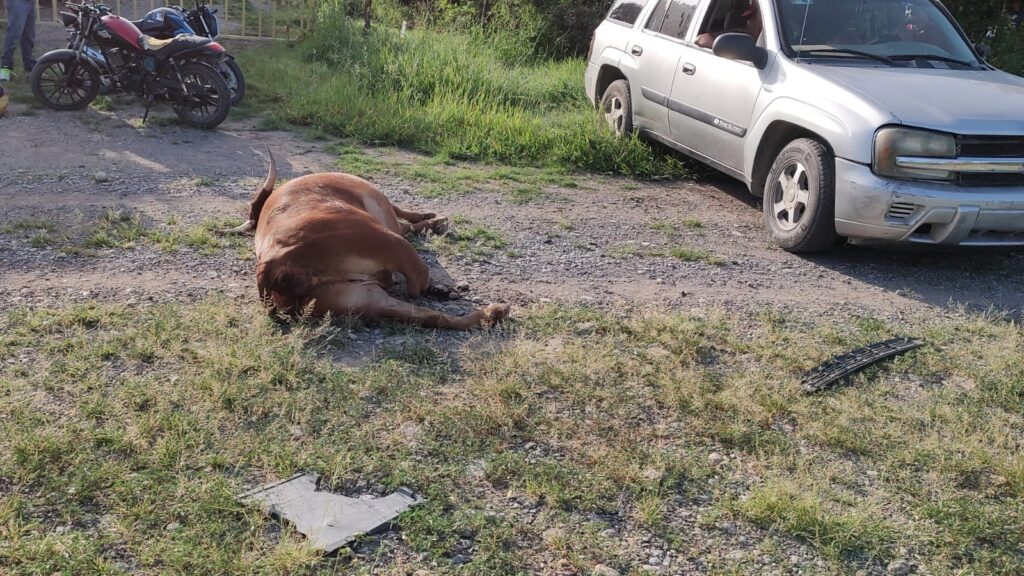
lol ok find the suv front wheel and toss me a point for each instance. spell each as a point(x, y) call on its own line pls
point(799, 199)
point(617, 108)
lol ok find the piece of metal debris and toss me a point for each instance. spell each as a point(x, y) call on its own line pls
point(850, 363)
point(328, 520)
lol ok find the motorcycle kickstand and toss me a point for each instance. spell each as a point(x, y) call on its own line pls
point(145, 114)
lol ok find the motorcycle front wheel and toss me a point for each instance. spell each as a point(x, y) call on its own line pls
point(207, 101)
point(65, 84)
point(232, 75)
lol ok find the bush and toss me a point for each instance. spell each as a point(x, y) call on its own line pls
point(446, 93)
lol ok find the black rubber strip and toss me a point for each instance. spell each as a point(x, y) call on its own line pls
point(850, 363)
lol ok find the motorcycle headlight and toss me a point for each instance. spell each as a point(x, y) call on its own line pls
point(68, 19)
point(894, 143)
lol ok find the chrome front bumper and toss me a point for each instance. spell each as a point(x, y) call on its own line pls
point(870, 207)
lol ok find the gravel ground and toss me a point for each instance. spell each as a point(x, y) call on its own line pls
point(588, 245)
point(582, 245)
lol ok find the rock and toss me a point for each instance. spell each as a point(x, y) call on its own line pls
point(716, 459)
point(553, 536)
point(602, 570)
point(297, 432)
point(900, 567)
point(172, 526)
point(62, 529)
point(736, 556)
point(462, 286)
point(459, 559)
point(586, 328)
point(463, 545)
point(102, 177)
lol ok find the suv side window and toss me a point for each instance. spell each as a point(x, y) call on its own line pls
point(675, 20)
point(627, 11)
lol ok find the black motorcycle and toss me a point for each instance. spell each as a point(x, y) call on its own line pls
point(170, 21)
point(180, 71)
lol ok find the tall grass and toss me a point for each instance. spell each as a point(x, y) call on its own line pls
point(467, 96)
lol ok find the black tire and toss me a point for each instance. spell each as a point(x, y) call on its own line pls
point(800, 198)
point(233, 77)
point(65, 84)
point(209, 97)
point(617, 108)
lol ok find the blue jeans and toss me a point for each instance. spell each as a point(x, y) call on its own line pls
point(21, 29)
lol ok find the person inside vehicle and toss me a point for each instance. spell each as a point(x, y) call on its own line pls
point(753, 25)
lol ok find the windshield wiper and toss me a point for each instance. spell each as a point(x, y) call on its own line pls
point(846, 51)
point(900, 57)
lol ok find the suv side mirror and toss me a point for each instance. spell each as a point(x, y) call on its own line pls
point(984, 50)
point(739, 46)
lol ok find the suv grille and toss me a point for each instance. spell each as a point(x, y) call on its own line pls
point(990, 147)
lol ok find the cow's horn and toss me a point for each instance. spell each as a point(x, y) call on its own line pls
point(249, 225)
point(268, 186)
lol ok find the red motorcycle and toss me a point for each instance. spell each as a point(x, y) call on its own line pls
point(180, 71)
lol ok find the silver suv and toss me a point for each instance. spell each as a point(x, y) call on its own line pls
point(864, 119)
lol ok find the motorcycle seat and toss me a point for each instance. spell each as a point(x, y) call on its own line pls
point(165, 48)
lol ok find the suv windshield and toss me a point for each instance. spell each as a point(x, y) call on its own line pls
point(889, 30)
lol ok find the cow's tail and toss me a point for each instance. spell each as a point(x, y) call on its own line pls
point(256, 206)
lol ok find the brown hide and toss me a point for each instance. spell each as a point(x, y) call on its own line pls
point(330, 242)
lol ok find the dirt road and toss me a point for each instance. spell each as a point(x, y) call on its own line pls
point(607, 242)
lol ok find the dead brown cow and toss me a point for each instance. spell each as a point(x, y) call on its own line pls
point(330, 242)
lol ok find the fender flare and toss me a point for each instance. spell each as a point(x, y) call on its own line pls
point(64, 54)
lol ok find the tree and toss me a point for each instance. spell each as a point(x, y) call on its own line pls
point(976, 16)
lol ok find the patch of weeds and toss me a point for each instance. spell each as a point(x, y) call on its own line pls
point(115, 229)
point(42, 240)
point(29, 225)
point(682, 253)
point(670, 228)
point(205, 181)
point(468, 240)
point(663, 226)
point(526, 194)
point(836, 532)
point(102, 104)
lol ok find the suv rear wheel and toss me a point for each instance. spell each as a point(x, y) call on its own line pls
point(799, 200)
point(617, 108)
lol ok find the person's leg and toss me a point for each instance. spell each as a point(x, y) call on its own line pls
point(15, 26)
point(28, 37)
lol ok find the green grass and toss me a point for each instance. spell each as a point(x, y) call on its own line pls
point(127, 230)
point(118, 424)
point(468, 240)
point(683, 253)
point(442, 94)
point(441, 177)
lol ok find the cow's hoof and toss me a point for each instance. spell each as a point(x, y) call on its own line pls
point(496, 313)
point(439, 226)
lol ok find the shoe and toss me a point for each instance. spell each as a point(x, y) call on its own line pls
point(5, 74)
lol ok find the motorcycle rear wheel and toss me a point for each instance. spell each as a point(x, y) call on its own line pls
point(232, 75)
point(208, 100)
point(65, 84)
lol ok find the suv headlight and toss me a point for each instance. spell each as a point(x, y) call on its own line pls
point(893, 143)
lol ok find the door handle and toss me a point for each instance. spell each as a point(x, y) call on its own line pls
point(637, 50)
point(689, 69)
